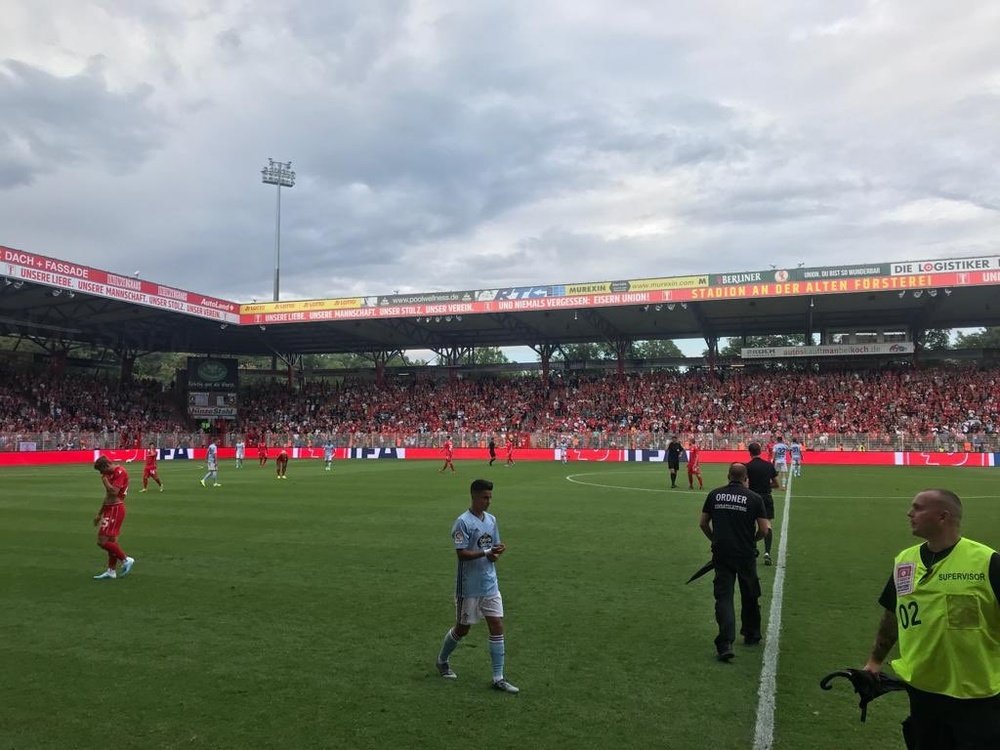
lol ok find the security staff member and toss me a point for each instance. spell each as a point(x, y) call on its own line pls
point(674, 451)
point(762, 478)
point(942, 606)
point(733, 520)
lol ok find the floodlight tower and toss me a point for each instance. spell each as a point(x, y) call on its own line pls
point(277, 173)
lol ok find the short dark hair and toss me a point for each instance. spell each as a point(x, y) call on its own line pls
point(480, 485)
point(754, 449)
point(947, 499)
point(102, 464)
point(737, 472)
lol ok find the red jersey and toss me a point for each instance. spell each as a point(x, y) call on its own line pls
point(694, 460)
point(510, 446)
point(262, 450)
point(119, 480)
point(151, 458)
point(448, 448)
point(282, 457)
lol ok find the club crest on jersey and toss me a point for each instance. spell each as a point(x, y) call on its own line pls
point(903, 576)
point(485, 541)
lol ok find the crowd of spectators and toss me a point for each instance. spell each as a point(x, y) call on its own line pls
point(939, 406)
point(57, 409)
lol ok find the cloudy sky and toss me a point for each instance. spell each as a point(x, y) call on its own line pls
point(451, 144)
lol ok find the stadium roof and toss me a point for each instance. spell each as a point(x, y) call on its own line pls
point(47, 298)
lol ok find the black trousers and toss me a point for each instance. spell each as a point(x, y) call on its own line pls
point(729, 571)
point(940, 722)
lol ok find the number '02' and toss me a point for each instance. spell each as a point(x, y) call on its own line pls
point(908, 615)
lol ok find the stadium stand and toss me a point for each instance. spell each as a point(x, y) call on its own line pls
point(940, 408)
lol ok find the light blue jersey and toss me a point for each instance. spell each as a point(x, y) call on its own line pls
point(779, 451)
point(476, 577)
point(328, 452)
point(212, 457)
point(796, 453)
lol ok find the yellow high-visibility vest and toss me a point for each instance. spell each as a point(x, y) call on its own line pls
point(948, 622)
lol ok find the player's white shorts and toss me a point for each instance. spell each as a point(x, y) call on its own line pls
point(472, 609)
point(781, 466)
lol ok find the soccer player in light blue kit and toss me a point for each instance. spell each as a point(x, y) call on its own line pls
point(212, 463)
point(241, 450)
point(476, 539)
point(328, 454)
point(564, 448)
point(779, 454)
point(796, 450)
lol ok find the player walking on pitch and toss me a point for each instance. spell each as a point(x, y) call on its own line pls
point(476, 539)
point(449, 452)
point(212, 464)
point(149, 470)
point(111, 517)
point(694, 466)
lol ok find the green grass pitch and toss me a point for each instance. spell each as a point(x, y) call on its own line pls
point(307, 613)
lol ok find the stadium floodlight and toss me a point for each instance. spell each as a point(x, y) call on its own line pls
point(447, 319)
point(223, 326)
point(263, 328)
point(947, 292)
point(918, 293)
point(658, 308)
point(932, 292)
point(902, 294)
point(70, 293)
point(671, 306)
point(18, 284)
point(458, 318)
point(280, 174)
point(56, 292)
point(684, 305)
point(7, 281)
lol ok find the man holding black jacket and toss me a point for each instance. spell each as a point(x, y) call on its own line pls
point(733, 520)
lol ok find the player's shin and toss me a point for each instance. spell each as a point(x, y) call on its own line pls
point(497, 656)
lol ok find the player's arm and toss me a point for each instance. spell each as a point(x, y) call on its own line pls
point(108, 491)
point(705, 524)
point(475, 554)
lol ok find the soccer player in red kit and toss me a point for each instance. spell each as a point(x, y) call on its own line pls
point(262, 452)
point(510, 451)
point(449, 453)
point(149, 470)
point(281, 463)
point(111, 517)
point(694, 466)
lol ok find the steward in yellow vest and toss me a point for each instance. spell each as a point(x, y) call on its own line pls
point(942, 607)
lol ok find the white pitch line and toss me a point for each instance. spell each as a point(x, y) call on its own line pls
point(763, 735)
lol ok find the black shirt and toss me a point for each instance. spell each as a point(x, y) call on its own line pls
point(928, 558)
point(760, 473)
point(734, 511)
point(674, 450)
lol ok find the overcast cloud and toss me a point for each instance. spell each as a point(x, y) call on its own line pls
point(453, 145)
